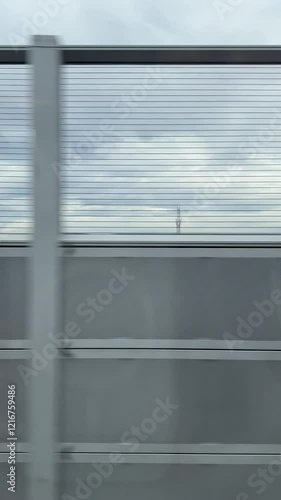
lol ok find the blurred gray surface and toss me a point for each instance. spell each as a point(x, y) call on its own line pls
point(163, 482)
point(172, 298)
point(219, 401)
point(13, 298)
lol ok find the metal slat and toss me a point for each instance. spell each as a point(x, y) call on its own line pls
point(171, 161)
point(15, 151)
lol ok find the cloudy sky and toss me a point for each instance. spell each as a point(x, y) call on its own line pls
point(186, 149)
point(147, 21)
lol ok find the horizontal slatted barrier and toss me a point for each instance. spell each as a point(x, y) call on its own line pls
point(15, 152)
point(168, 149)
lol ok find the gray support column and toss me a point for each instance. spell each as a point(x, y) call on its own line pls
point(45, 58)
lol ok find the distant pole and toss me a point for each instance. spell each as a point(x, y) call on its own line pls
point(178, 220)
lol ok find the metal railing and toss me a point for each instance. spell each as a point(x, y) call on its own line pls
point(47, 244)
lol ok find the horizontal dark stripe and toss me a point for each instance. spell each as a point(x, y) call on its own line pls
point(13, 55)
point(155, 55)
point(172, 55)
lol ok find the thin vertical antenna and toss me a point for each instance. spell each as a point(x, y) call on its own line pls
point(178, 220)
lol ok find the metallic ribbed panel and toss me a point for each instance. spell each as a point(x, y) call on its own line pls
point(171, 149)
point(15, 152)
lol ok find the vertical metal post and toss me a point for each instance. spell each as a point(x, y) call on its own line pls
point(45, 58)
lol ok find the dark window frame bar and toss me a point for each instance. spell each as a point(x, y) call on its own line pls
point(231, 55)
